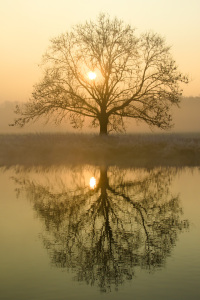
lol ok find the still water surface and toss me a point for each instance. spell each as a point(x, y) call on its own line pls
point(99, 232)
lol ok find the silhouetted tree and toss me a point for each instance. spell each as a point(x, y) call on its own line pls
point(102, 233)
point(136, 77)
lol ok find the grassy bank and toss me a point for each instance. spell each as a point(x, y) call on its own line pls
point(136, 150)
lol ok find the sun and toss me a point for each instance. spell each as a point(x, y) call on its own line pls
point(92, 182)
point(92, 75)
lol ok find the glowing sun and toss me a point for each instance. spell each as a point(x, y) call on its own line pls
point(92, 75)
point(92, 182)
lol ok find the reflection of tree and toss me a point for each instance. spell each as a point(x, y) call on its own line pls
point(102, 234)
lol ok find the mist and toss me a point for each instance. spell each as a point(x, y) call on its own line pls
point(185, 119)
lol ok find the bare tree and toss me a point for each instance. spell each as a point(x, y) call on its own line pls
point(105, 72)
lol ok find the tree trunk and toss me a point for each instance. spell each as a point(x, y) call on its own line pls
point(103, 122)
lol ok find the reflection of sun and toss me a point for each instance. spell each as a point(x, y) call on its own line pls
point(92, 75)
point(92, 182)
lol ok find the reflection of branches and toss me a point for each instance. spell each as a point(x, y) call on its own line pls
point(129, 219)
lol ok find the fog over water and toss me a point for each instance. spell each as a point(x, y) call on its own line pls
point(61, 236)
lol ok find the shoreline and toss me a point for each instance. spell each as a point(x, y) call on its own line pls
point(128, 150)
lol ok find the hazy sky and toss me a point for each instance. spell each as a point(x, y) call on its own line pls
point(28, 25)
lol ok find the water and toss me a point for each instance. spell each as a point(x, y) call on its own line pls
point(127, 233)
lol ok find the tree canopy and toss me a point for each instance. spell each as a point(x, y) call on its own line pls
point(104, 71)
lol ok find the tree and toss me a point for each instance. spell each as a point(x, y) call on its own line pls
point(105, 72)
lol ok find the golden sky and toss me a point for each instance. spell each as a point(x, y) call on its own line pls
point(28, 25)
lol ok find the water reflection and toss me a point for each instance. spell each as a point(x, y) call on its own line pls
point(102, 231)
